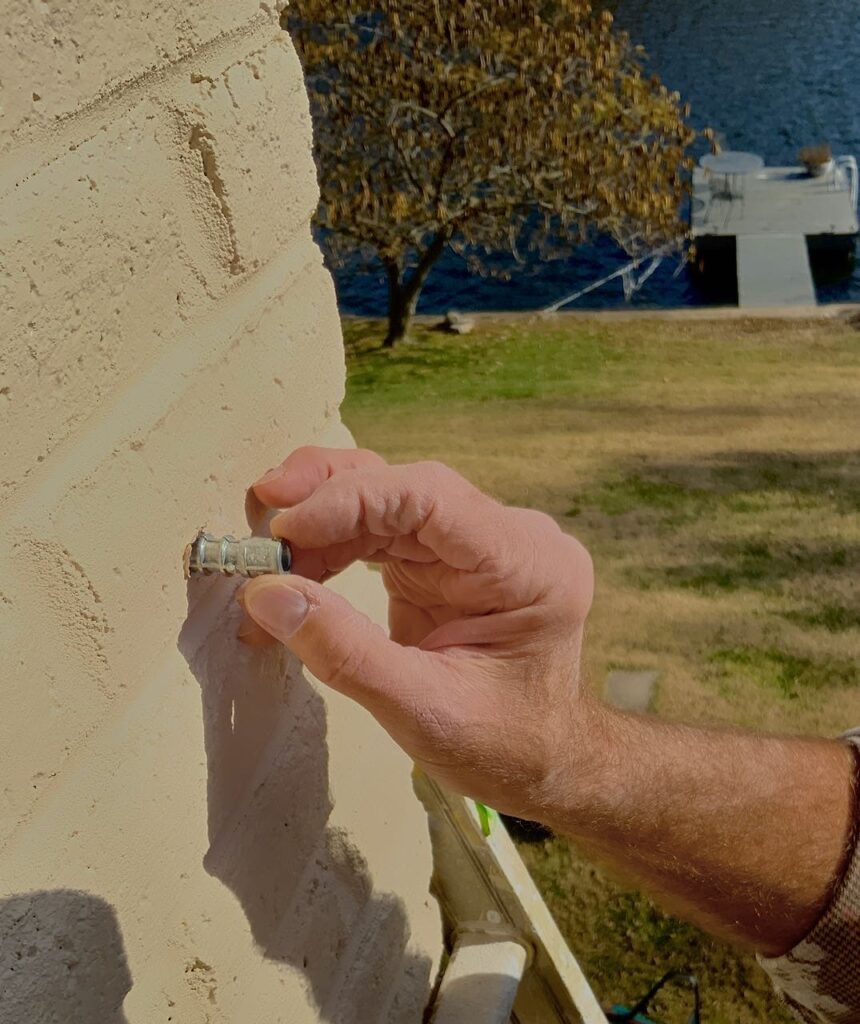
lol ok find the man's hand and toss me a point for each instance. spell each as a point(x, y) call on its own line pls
point(479, 681)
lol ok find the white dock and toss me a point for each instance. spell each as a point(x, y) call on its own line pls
point(774, 270)
point(775, 215)
point(778, 200)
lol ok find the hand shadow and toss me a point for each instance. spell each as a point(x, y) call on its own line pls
point(304, 887)
point(61, 959)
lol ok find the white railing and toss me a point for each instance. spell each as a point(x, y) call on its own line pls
point(627, 273)
point(846, 166)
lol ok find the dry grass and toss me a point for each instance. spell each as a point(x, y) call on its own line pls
point(713, 471)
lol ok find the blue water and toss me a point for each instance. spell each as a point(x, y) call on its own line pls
point(769, 76)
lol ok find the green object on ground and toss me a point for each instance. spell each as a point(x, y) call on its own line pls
point(484, 813)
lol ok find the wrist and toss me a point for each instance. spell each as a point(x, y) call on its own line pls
point(584, 782)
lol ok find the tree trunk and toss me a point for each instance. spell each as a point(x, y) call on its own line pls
point(403, 293)
point(401, 309)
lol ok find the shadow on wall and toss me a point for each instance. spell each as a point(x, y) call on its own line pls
point(61, 959)
point(304, 887)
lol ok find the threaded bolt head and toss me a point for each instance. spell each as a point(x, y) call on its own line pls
point(252, 556)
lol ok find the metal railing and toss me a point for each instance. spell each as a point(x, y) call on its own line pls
point(847, 166)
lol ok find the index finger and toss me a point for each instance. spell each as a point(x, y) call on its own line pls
point(418, 510)
point(305, 469)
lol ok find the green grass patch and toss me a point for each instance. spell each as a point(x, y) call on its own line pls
point(744, 492)
point(708, 467)
point(789, 674)
point(791, 478)
point(835, 618)
point(761, 565)
point(635, 493)
point(499, 366)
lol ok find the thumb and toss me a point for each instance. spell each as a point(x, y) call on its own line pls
point(340, 645)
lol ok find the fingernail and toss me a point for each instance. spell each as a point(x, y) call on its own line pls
point(278, 608)
point(276, 524)
point(254, 508)
point(269, 475)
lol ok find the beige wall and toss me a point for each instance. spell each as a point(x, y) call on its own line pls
point(181, 819)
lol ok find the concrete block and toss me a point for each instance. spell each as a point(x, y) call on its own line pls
point(190, 830)
point(91, 250)
point(243, 156)
point(278, 906)
point(99, 529)
point(56, 58)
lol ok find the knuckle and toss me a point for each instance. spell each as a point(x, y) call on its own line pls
point(306, 460)
point(412, 492)
point(333, 460)
point(303, 453)
point(579, 582)
point(438, 483)
point(579, 553)
point(538, 521)
point(435, 472)
point(368, 457)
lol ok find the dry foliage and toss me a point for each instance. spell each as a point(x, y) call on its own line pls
point(483, 127)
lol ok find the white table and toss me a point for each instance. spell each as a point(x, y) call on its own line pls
point(732, 166)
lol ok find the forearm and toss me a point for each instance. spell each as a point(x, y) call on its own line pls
point(743, 834)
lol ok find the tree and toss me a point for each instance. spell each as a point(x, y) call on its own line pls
point(480, 126)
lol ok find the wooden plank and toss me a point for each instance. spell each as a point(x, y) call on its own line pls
point(773, 270)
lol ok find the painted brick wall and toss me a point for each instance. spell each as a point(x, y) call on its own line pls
point(189, 831)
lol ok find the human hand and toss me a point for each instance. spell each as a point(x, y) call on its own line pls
point(479, 681)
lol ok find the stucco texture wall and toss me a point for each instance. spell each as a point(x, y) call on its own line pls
point(190, 831)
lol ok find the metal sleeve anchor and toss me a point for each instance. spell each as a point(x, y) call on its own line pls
point(253, 556)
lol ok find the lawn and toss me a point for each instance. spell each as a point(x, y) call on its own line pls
point(712, 468)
